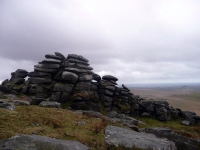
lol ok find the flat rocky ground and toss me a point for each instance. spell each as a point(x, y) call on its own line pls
point(185, 98)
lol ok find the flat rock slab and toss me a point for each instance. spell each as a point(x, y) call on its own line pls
point(50, 104)
point(36, 142)
point(21, 102)
point(128, 138)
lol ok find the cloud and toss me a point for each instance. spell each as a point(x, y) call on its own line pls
point(137, 41)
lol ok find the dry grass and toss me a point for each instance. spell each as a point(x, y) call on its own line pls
point(62, 124)
point(56, 123)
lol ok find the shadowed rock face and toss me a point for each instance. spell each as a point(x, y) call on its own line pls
point(71, 81)
point(128, 138)
point(36, 142)
point(182, 142)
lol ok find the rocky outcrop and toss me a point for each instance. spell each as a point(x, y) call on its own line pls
point(71, 82)
point(181, 141)
point(128, 138)
point(37, 142)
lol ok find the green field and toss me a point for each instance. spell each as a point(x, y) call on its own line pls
point(194, 96)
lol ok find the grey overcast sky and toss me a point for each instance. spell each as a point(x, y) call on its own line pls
point(138, 41)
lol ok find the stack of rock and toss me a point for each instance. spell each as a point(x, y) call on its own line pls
point(40, 82)
point(107, 91)
point(158, 109)
point(125, 98)
point(82, 76)
point(71, 81)
point(15, 84)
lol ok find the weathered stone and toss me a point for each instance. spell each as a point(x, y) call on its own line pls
point(128, 138)
point(111, 88)
point(185, 146)
point(124, 93)
point(106, 92)
point(19, 75)
point(6, 105)
point(109, 77)
point(60, 55)
point(82, 58)
point(162, 104)
point(175, 114)
point(34, 80)
point(82, 86)
point(83, 66)
point(53, 56)
point(72, 56)
point(36, 142)
point(69, 76)
point(21, 71)
point(162, 117)
point(48, 66)
point(54, 61)
point(161, 110)
point(50, 104)
point(4, 82)
point(39, 74)
point(133, 127)
point(125, 87)
point(188, 114)
point(55, 96)
point(93, 87)
point(112, 114)
point(170, 135)
point(105, 98)
point(21, 102)
point(64, 97)
point(17, 80)
point(46, 70)
point(67, 64)
point(63, 87)
point(76, 70)
point(186, 123)
point(77, 61)
point(146, 115)
point(86, 78)
point(96, 77)
point(105, 83)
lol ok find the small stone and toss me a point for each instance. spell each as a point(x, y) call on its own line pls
point(50, 104)
point(186, 123)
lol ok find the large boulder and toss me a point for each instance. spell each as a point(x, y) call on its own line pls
point(36, 142)
point(109, 77)
point(170, 135)
point(128, 138)
point(69, 76)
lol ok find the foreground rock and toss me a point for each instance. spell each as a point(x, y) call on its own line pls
point(180, 140)
point(36, 142)
point(128, 138)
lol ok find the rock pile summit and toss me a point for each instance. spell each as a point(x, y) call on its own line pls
point(71, 82)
